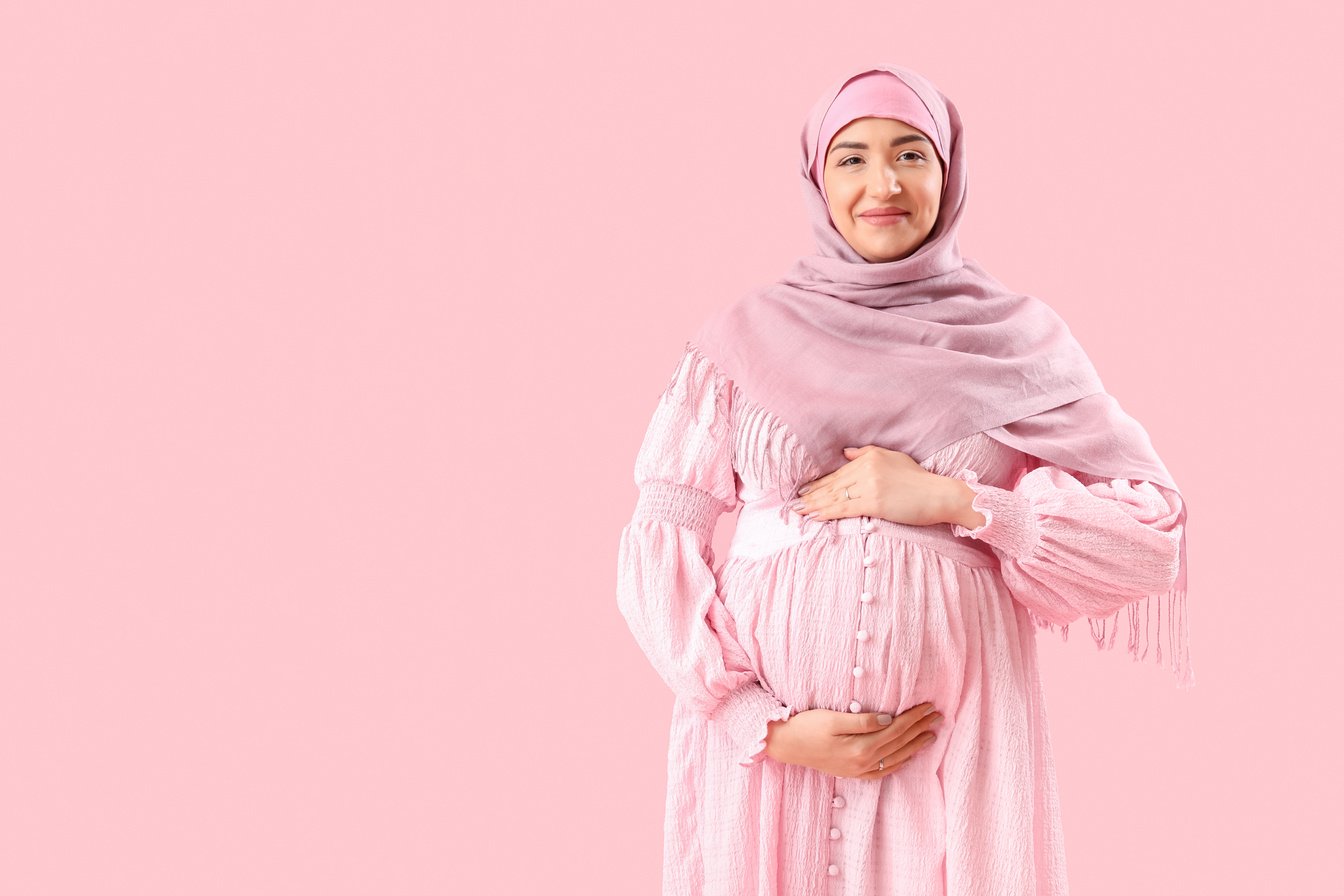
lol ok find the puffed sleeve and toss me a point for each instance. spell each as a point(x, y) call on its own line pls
point(1074, 545)
point(666, 587)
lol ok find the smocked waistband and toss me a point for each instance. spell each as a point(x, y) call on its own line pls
point(761, 529)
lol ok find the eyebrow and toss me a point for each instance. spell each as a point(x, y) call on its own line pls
point(896, 141)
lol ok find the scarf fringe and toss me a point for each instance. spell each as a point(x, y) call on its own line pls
point(1146, 619)
point(697, 375)
point(764, 442)
point(765, 448)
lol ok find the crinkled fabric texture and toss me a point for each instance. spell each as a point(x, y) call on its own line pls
point(947, 616)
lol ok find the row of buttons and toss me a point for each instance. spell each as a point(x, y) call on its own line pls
point(866, 597)
point(839, 803)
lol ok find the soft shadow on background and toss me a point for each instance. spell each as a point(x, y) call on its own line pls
point(330, 332)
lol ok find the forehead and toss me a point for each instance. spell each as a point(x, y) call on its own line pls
point(875, 125)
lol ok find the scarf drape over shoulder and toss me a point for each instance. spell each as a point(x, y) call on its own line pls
point(917, 353)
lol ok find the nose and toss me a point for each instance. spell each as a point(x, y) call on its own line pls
point(883, 181)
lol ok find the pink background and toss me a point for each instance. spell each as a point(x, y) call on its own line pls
point(329, 331)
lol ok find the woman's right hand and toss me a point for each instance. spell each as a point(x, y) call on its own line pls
point(848, 744)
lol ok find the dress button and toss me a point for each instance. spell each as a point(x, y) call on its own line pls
point(866, 597)
point(833, 870)
point(862, 635)
point(858, 671)
point(867, 559)
point(856, 707)
point(868, 527)
point(838, 802)
point(835, 833)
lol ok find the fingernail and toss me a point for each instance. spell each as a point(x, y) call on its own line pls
point(804, 490)
point(884, 718)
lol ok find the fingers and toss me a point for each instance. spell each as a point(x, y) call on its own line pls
point(869, 722)
point(830, 481)
point(864, 722)
point(828, 501)
point(822, 482)
point(899, 758)
point(892, 744)
point(828, 490)
point(904, 727)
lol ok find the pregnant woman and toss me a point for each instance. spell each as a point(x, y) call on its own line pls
point(929, 470)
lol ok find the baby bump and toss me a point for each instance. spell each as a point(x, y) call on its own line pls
point(856, 622)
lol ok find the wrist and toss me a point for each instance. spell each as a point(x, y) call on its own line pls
point(957, 508)
point(772, 738)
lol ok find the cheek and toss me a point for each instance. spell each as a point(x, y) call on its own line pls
point(931, 193)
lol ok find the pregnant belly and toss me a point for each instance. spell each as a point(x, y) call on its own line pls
point(861, 622)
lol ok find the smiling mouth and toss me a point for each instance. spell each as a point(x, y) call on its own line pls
point(883, 220)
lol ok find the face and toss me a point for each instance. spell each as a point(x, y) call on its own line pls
point(880, 164)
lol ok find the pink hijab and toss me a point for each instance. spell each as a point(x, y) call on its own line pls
point(918, 353)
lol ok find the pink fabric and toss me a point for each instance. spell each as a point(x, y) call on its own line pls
point(951, 618)
point(875, 95)
point(917, 354)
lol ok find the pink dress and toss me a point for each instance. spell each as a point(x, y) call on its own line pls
point(865, 615)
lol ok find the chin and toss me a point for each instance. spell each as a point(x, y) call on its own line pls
point(878, 256)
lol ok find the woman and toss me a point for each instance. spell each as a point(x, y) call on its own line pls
point(929, 468)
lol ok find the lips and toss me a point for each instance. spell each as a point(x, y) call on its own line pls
point(884, 217)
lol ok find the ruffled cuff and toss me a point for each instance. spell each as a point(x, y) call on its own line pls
point(746, 714)
point(1010, 522)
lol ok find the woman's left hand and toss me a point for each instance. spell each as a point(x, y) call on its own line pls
point(887, 484)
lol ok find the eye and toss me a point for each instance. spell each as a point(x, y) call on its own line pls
point(909, 152)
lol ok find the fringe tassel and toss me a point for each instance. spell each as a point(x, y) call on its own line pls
point(1145, 631)
point(777, 447)
point(765, 448)
point(694, 376)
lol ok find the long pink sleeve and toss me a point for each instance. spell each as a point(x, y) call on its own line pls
point(1074, 545)
point(666, 588)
